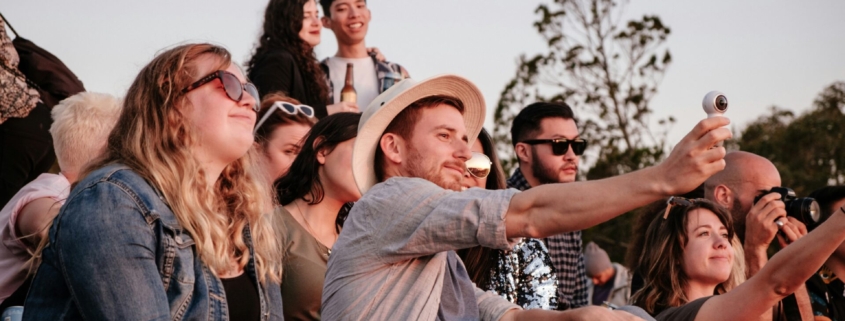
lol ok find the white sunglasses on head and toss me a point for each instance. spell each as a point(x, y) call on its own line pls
point(289, 108)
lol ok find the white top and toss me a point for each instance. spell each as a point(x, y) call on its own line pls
point(366, 80)
point(13, 252)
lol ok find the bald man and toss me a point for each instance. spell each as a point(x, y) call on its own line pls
point(745, 177)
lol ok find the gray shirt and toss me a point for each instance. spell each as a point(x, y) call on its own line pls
point(457, 301)
point(389, 263)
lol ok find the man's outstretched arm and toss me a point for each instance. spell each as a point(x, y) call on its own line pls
point(556, 208)
point(588, 313)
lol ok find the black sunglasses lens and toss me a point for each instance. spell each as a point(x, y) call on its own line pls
point(579, 146)
point(290, 109)
point(306, 110)
point(560, 148)
point(232, 85)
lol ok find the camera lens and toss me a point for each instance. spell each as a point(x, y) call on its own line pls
point(805, 209)
point(721, 103)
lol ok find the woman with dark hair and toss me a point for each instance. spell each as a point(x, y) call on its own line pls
point(826, 288)
point(313, 193)
point(281, 124)
point(690, 265)
point(284, 59)
point(523, 275)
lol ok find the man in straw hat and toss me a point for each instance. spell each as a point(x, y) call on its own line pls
point(395, 258)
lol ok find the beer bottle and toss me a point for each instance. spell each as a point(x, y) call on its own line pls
point(348, 92)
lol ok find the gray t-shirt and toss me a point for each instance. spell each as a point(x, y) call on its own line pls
point(686, 312)
point(457, 301)
point(391, 259)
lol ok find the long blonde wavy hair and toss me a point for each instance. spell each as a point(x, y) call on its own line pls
point(154, 138)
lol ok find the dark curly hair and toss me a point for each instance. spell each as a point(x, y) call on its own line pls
point(282, 22)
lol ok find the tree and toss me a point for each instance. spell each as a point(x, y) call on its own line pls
point(608, 71)
point(807, 150)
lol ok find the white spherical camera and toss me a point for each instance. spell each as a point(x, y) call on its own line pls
point(715, 104)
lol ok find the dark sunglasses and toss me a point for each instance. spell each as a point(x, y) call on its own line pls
point(233, 86)
point(679, 201)
point(289, 108)
point(479, 165)
point(560, 146)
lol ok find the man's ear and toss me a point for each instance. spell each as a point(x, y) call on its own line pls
point(327, 22)
point(393, 147)
point(523, 152)
point(723, 195)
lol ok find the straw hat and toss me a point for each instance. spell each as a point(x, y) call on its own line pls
point(381, 111)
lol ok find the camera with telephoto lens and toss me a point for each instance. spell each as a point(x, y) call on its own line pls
point(805, 209)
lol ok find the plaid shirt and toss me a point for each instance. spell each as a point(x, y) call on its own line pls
point(565, 252)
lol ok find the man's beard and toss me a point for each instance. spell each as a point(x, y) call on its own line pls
point(739, 214)
point(542, 174)
point(417, 169)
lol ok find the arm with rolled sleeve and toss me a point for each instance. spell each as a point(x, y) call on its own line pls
point(412, 217)
point(106, 252)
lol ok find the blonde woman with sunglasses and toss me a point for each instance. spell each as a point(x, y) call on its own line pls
point(173, 222)
point(689, 265)
point(282, 124)
point(523, 275)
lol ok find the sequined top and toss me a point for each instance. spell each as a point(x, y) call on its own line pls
point(565, 254)
point(524, 276)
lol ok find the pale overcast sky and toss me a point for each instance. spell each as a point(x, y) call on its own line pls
point(760, 53)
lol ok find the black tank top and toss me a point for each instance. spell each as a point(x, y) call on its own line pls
point(242, 298)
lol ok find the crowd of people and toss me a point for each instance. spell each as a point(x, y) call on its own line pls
point(210, 192)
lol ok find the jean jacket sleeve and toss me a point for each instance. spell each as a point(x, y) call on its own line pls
point(106, 247)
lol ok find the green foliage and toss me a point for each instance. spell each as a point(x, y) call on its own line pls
point(608, 71)
point(808, 150)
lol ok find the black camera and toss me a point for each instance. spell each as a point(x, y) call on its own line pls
point(805, 209)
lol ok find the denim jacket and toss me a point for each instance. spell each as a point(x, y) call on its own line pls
point(117, 252)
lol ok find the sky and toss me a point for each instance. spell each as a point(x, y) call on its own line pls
point(759, 53)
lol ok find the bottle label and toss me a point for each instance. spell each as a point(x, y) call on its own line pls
point(349, 97)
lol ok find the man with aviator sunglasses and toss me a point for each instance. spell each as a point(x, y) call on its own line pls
point(548, 147)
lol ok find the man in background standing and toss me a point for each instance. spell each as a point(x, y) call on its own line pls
point(350, 20)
